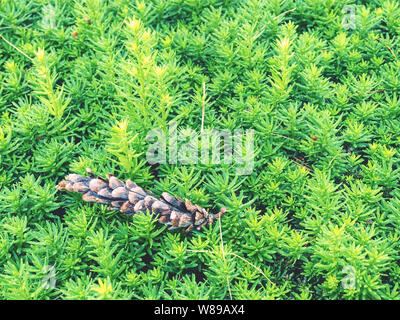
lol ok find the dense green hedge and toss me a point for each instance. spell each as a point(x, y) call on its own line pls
point(83, 82)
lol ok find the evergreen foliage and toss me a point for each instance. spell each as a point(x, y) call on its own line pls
point(83, 82)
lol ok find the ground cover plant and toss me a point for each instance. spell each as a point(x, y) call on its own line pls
point(82, 83)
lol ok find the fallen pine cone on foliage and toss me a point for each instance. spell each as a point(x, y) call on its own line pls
point(129, 198)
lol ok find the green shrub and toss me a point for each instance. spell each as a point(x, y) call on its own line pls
point(82, 83)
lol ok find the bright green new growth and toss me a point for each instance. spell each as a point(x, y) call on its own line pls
point(83, 82)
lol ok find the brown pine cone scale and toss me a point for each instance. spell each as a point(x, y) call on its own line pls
point(130, 199)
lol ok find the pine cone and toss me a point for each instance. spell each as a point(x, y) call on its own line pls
point(129, 198)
